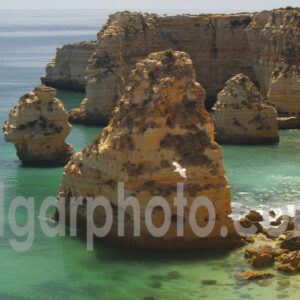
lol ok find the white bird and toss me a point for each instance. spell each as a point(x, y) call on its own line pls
point(179, 169)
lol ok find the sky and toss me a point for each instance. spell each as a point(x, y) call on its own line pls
point(206, 5)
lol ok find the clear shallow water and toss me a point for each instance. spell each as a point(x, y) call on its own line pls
point(61, 268)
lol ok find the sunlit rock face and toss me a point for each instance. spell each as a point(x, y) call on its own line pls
point(38, 126)
point(67, 70)
point(242, 117)
point(217, 45)
point(284, 92)
point(160, 123)
point(220, 47)
point(274, 42)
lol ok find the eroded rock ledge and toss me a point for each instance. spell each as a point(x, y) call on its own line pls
point(160, 120)
point(242, 117)
point(38, 126)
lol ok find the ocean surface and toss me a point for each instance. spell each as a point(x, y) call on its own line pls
point(60, 267)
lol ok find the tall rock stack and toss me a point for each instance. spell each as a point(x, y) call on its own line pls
point(160, 122)
point(38, 126)
point(242, 117)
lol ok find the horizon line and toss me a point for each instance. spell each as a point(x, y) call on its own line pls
point(137, 9)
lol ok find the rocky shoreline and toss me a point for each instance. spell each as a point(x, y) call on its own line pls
point(278, 244)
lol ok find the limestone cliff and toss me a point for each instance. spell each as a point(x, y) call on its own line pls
point(284, 91)
point(220, 46)
point(160, 120)
point(241, 116)
point(217, 45)
point(67, 70)
point(274, 40)
point(38, 126)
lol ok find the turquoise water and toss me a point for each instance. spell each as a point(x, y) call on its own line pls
point(60, 267)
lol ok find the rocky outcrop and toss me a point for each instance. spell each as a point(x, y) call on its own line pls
point(273, 38)
point(291, 241)
point(289, 262)
point(67, 70)
point(38, 126)
point(220, 46)
point(241, 116)
point(284, 92)
point(217, 45)
point(159, 135)
point(262, 256)
point(254, 216)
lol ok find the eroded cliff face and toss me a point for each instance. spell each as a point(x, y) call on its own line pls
point(274, 40)
point(219, 45)
point(284, 91)
point(68, 69)
point(241, 116)
point(160, 120)
point(38, 126)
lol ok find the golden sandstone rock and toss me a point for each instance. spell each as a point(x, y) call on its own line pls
point(260, 257)
point(38, 126)
point(213, 41)
point(289, 262)
point(242, 117)
point(285, 90)
point(260, 45)
point(160, 123)
point(273, 38)
point(67, 70)
point(253, 275)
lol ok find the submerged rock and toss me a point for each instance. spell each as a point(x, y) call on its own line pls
point(241, 116)
point(38, 126)
point(253, 275)
point(209, 282)
point(160, 123)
